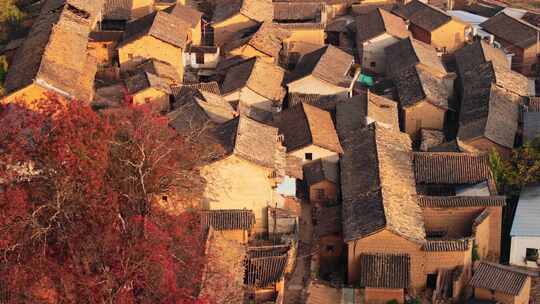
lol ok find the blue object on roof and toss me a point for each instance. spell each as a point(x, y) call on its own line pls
point(366, 80)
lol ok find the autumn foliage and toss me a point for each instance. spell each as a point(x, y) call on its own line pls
point(82, 197)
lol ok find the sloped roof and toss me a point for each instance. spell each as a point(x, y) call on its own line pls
point(531, 125)
point(379, 270)
point(144, 80)
point(410, 52)
point(257, 142)
point(234, 219)
point(320, 170)
point(512, 30)
point(54, 53)
point(303, 125)
point(328, 63)
point(325, 102)
point(460, 201)
point(298, 12)
point(117, 9)
point(92, 9)
point(423, 15)
point(160, 25)
point(378, 22)
point(497, 277)
point(447, 245)
point(527, 213)
point(258, 10)
point(265, 270)
point(452, 168)
point(186, 13)
point(322, 293)
point(479, 52)
point(377, 185)
point(259, 76)
point(489, 111)
point(160, 68)
point(417, 84)
point(366, 108)
point(269, 39)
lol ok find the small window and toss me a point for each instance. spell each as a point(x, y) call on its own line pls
point(199, 58)
point(164, 198)
point(319, 194)
point(309, 156)
point(373, 64)
point(130, 56)
point(330, 248)
point(532, 254)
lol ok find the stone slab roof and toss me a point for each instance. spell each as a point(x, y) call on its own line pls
point(479, 52)
point(329, 64)
point(321, 170)
point(305, 125)
point(410, 52)
point(268, 39)
point(497, 277)
point(258, 10)
point(423, 15)
point(186, 13)
point(259, 76)
point(386, 271)
point(265, 270)
point(54, 54)
point(160, 25)
point(417, 84)
point(365, 108)
point(144, 80)
point(117, 9)
point(378, 22)
point(257, 142)
point(377, 185)
point(511, 30)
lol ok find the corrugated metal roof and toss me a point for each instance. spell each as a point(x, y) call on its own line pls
point(526, 221)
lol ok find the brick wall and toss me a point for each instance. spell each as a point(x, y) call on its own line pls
point(383, 296)
point(456, 221)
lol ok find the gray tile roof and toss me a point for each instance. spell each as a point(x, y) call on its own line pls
point(497, 277)
point(423, 15)
point(512, 30)
point(378, 22)
point(380, 270)
point(410, 52)
point(160, 25)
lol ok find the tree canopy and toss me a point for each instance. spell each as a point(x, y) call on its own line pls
point(82, 197)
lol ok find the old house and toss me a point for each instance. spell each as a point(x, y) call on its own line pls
point(234, 16)
point(326, 71)
point(519, 38)
point(255, 85)
point(433, 26)
point(247, 175)
point(423, 85)
point(340, 32)
point(385, 277)
point(322, 181)
point(160, 36)
point(234, 224)
point(198, 107)
point(366, 108)
point(148, 88)
point(306, 21)
point(205, 59)
point(192, 17)
point(328, 240)
point(381, 214)
point(54, 56)
point(266, 43)
point(309, 133)
point(525, 235)
point(116, 13)
point(503, 284)
point(459, 199)
point(374, 32)
point(489, 114)
point(531, 120)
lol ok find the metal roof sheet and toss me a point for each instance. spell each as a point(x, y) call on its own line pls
point(526, 221)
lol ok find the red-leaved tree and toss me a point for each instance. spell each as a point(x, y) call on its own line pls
point(82, 215)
